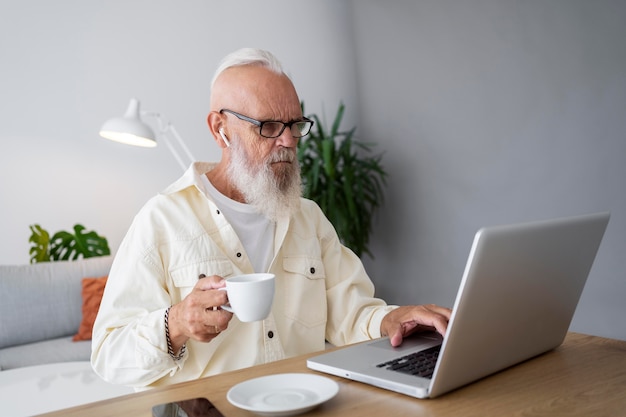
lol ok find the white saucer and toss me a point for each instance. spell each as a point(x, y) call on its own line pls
point(282, 394)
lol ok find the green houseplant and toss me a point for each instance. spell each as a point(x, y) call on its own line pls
point(63, 246)
point(340, 174)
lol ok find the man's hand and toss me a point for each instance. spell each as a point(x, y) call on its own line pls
point(403, 321)
point(198, 316)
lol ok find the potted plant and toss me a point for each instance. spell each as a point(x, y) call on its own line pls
point(343, 178)
point(64, 245)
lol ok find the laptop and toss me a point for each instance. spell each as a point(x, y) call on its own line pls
point(516, 300)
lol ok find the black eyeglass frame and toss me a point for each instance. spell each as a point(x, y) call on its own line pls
point(260, 123)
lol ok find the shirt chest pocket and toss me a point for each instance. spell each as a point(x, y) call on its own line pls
point(304, 291)
point(185, 277)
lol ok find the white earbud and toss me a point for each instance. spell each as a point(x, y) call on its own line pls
point(224, 137)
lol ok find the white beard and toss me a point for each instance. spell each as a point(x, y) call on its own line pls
point(274, 195)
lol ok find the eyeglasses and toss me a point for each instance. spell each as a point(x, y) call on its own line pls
point(274, 128)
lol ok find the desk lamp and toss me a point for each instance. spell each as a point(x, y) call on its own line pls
point(131, 130)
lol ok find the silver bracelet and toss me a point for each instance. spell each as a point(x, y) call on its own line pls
point(170, 350)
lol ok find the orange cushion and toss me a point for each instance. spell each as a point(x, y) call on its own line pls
point(93, 288)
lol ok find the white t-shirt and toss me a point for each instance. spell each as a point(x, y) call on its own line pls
point(255, 231)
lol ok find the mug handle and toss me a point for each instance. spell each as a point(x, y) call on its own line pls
point(225, 306)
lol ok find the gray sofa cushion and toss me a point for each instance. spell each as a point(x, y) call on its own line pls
point(48, 351)
point(43, 301)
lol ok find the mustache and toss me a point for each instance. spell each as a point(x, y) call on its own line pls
point(282, 155)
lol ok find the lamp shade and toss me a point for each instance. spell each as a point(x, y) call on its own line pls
point(129, 129)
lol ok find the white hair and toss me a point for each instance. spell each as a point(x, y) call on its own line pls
point(248, 56)
point(275, 195)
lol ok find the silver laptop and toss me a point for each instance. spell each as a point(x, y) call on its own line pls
point(517, 298)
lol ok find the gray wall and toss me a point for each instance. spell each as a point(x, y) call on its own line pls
point(494, 112)
point(488, 111)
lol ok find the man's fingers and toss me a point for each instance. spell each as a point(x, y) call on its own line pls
point(207, 324)
point(444, 311)
point(200, 317)
point(209, 283)
point(405, 320)
point(204, 294)
point(396, 337)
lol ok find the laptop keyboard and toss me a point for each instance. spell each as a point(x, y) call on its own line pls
point(420, 363)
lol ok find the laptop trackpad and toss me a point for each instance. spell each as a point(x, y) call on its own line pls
point(421, 339)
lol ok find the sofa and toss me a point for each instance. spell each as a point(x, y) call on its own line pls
point(41, 311)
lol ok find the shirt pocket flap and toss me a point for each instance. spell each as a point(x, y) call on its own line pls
point(309, 267)
point(188, 275)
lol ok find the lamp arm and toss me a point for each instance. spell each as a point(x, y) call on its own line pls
point(180, 142)
point(164, 127)
point(174, 152)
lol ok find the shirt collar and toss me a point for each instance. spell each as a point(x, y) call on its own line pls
point(191, 177)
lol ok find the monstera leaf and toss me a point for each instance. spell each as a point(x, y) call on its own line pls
point(65, 246)
point(40, 244)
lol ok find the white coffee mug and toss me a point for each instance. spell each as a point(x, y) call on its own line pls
point(250, 296)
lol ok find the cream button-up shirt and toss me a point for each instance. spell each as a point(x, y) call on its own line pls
point(322, 290)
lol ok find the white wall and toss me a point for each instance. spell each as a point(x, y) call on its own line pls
point(67, 66)
point(493, 112)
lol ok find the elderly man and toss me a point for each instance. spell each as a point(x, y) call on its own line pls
point(160, 322)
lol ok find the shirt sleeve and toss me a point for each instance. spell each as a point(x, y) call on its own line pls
point(129, 346)
point(354, 314)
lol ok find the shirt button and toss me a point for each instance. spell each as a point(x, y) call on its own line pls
point(312, 270)
point(270, 334)
point(238, 254)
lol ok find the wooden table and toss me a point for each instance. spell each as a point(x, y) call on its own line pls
point(585, 376)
